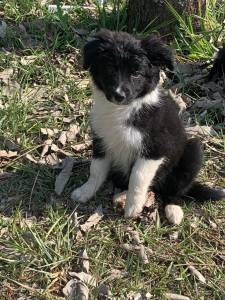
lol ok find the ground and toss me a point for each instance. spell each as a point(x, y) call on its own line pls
point(44, 108)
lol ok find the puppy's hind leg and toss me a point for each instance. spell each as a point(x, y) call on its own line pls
point(179, 181)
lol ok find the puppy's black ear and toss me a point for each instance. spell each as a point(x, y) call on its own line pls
point(95, 46)
point(158, 53)
point(90, 52)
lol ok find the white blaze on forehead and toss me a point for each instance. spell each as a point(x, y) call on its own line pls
point(119, 90)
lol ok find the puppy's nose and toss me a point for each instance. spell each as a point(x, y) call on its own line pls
point(119, 95)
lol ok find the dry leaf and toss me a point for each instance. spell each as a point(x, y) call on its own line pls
point(134, 236)
point(6, 75)
point(62, 138)
point(7, 154)
point(119, 199)
point(117, 274)
point(27, 60)
point(178, 99)
point(64, 175)
point(138, 296)
point(174, 235)
point(49, 132)
point(51, 159)
point(84, 277)
point(170, 296)
point(46, 146)
point(79, 236)
point(140, 250)
point(81, 146)
point(76, 290)
point(31, 158)
point(84, 261)
point(201, 130)
point(93, 219)
point(72, 132)
point(197, 274)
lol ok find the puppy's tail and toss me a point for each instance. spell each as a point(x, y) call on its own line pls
point(202, 193)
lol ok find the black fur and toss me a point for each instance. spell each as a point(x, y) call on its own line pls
point(218, 69)
point(119, 59)
point(110, 54)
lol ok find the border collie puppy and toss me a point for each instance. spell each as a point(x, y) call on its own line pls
point(139, 141)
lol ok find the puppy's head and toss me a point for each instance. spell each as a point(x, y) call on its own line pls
point(123, 67)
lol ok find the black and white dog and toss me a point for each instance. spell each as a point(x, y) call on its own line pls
point(139, 141)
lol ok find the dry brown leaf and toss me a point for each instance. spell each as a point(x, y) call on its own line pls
point(6, 75)
point(76, 290)
point(133, 236)
point(178, 99)
point(64, 175)
point(171, 296)
point(93, 219)
point(49, 132)
point(197, 274)
point(174, 235)
point(81, 146)
point(72, 132)
point(140, 250)
point(62, 138)
point(79, 236)
point(50, 159)
point(84, 277)
point(28, 59)
point(84, 261)
point(31, 158)
point(201, 130)
point(116, 274)
point(119, 199)
point(46, 147)
point(8, 154)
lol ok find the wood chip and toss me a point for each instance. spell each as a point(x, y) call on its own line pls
point(197, 274)
point(170, 296)
point(93, 219)
point(64, 175)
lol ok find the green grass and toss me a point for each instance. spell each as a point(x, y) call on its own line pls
point(38, 246)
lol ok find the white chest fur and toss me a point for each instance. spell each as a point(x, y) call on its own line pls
point(123, 142)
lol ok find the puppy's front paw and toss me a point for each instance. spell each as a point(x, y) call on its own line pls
point(79, 195)
point(132, 210)
point(174, 214)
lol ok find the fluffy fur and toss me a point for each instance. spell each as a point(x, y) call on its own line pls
point(218, 68)
point(139, 141)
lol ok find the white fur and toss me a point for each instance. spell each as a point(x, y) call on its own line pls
point(98, 173)
point(123, 142)
point(141, 177)
point(174, 214)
